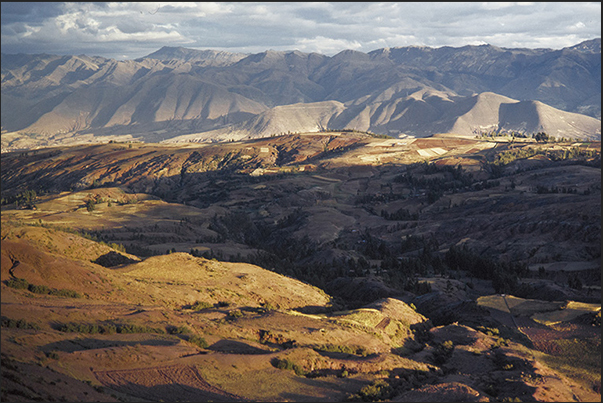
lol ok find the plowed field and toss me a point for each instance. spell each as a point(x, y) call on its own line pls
point(170, 383)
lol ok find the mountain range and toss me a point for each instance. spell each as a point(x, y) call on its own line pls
point(182, 95)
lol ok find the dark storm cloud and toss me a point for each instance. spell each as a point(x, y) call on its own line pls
point(31, 12)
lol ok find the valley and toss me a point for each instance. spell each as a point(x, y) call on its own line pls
point(336, 265)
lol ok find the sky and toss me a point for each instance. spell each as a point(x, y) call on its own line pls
point(131, 30)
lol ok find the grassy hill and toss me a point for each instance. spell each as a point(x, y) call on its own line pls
point(307, 267)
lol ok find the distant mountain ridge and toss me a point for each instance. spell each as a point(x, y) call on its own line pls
point(205, 57)
point(416, 91)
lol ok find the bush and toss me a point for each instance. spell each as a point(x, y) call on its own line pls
point(198, 341)
point(64, 292)
point(376, 391)
point(90, 205)
point(178, 330)
point(19, 324)
point(38, 289)
point(52, 355)
point(128, 328)
point(109, 328)
point(80, 328)
point(268, 307)
point(18, 283)
point(490, 331)
point(235, 313)
point(341, 348)
point(442, 352)
point(287, 364)
point(200, 305)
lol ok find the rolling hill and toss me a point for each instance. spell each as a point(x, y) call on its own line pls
point(422, 114)
point(336, 266)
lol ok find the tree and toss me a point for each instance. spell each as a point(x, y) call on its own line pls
point(542, 136)
point(90, 205)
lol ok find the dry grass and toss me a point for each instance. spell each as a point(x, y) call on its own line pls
point(160, 291)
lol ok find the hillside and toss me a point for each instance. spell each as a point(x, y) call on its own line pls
point(416, 91)
point(420, 115)
point(334, 266)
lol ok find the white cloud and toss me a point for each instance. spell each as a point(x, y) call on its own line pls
point(139, 28)
point(320, 44)
point(578, 26)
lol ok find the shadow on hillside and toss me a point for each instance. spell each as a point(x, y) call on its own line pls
point(155, 132)
point(314, 309)
point(113, 259)
point(236, 347)
point(409, 346)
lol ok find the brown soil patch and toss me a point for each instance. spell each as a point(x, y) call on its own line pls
point(438, 142)
point(446, 392)
point(544, 337)
point(170, 383)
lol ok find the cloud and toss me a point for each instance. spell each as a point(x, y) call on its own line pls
point(29, 12)
point(136, 29)
point(325, 45)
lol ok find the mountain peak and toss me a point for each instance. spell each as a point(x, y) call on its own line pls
point(590, 46)
point(351, 55)
point(207, 56)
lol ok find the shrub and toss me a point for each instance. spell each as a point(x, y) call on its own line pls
point(129, 328)
point(235, 313)
point(287, 364)
point(90, 205)
point(198, 341)
point(376, 391)
point(18, 283)
point(501, 361)
point(596, 320)
point(200, 305)
point(266, 337)
point(178, 330)
point(109, 328)
point(341, 348)
point(138, 329)
point(490, 331)
point(52, 355)
point(38, 289)
point(19, 324)
point(268, 307)
point(80, 328)
point(282, 363)
point(442, 352)
point(64, 292)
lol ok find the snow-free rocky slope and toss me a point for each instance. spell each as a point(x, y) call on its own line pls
point(209, 95)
